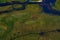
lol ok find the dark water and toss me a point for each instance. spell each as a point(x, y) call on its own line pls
point(46, 6)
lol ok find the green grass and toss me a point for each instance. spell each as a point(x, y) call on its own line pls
point(29, 20)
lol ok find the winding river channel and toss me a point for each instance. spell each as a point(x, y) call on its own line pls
point(45, 4)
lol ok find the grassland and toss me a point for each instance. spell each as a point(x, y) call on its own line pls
point(15, 24)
